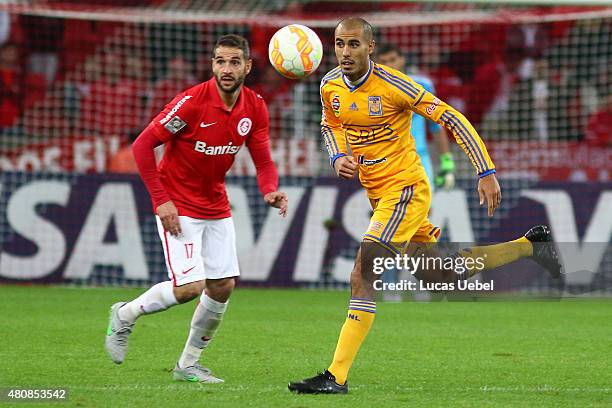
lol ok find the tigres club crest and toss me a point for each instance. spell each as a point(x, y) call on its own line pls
point(335, 103)
point(375, 105)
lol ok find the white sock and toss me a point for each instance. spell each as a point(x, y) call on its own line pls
point(205, 322)
point(159, 297)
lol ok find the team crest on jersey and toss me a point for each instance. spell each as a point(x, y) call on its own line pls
point(175, 124)
point(244, 126)
point(375, 105)
point(335, 103)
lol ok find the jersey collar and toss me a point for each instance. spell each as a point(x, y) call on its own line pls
point(363, 81)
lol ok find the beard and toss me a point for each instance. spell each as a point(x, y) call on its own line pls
point(231, 88)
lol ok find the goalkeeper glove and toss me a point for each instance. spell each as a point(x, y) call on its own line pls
point(446, 174)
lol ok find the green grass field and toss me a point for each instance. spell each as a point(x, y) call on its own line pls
point(447, 354)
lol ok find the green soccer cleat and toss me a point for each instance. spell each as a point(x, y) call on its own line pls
point(117, 334)
point(323, 383)
point(544, 250)
point(195, 373)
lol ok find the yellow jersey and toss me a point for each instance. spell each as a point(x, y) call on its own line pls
point(373, 118)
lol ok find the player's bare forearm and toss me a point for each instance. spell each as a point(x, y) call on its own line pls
point(489, 190)
point(345, 167)
point(278, 199)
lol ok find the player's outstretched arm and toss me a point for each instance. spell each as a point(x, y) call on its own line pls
point(410, 95)
point(429, 106)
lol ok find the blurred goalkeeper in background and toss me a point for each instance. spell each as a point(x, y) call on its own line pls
point(366, 123)
point(202, 129)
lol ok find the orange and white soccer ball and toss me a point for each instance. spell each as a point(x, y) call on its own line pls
point(295, 51)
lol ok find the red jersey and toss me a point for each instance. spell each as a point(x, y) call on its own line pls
point(201, 139)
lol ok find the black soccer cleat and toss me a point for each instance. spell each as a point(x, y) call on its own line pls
point(323, 383)
point(544, 250)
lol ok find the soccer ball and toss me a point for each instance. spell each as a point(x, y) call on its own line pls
point(295, 51)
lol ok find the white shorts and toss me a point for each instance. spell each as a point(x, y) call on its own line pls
point(206, 249)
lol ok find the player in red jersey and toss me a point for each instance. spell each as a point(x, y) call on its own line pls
point(202, 129)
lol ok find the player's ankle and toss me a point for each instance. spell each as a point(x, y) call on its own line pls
point(336, 380)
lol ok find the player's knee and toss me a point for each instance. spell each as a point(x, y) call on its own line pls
point(356, 275)
point(189, 291)
point(361, 286)
point(220, 289)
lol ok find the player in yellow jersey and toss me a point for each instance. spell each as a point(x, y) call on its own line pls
point(367, 111)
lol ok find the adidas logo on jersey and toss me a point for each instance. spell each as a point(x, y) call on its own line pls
point(215, 150)
point(353, 107)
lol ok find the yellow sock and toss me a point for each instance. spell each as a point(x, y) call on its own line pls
point(493, 256)
point(354, 331)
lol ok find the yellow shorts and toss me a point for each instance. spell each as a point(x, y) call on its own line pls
point(401, 216)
